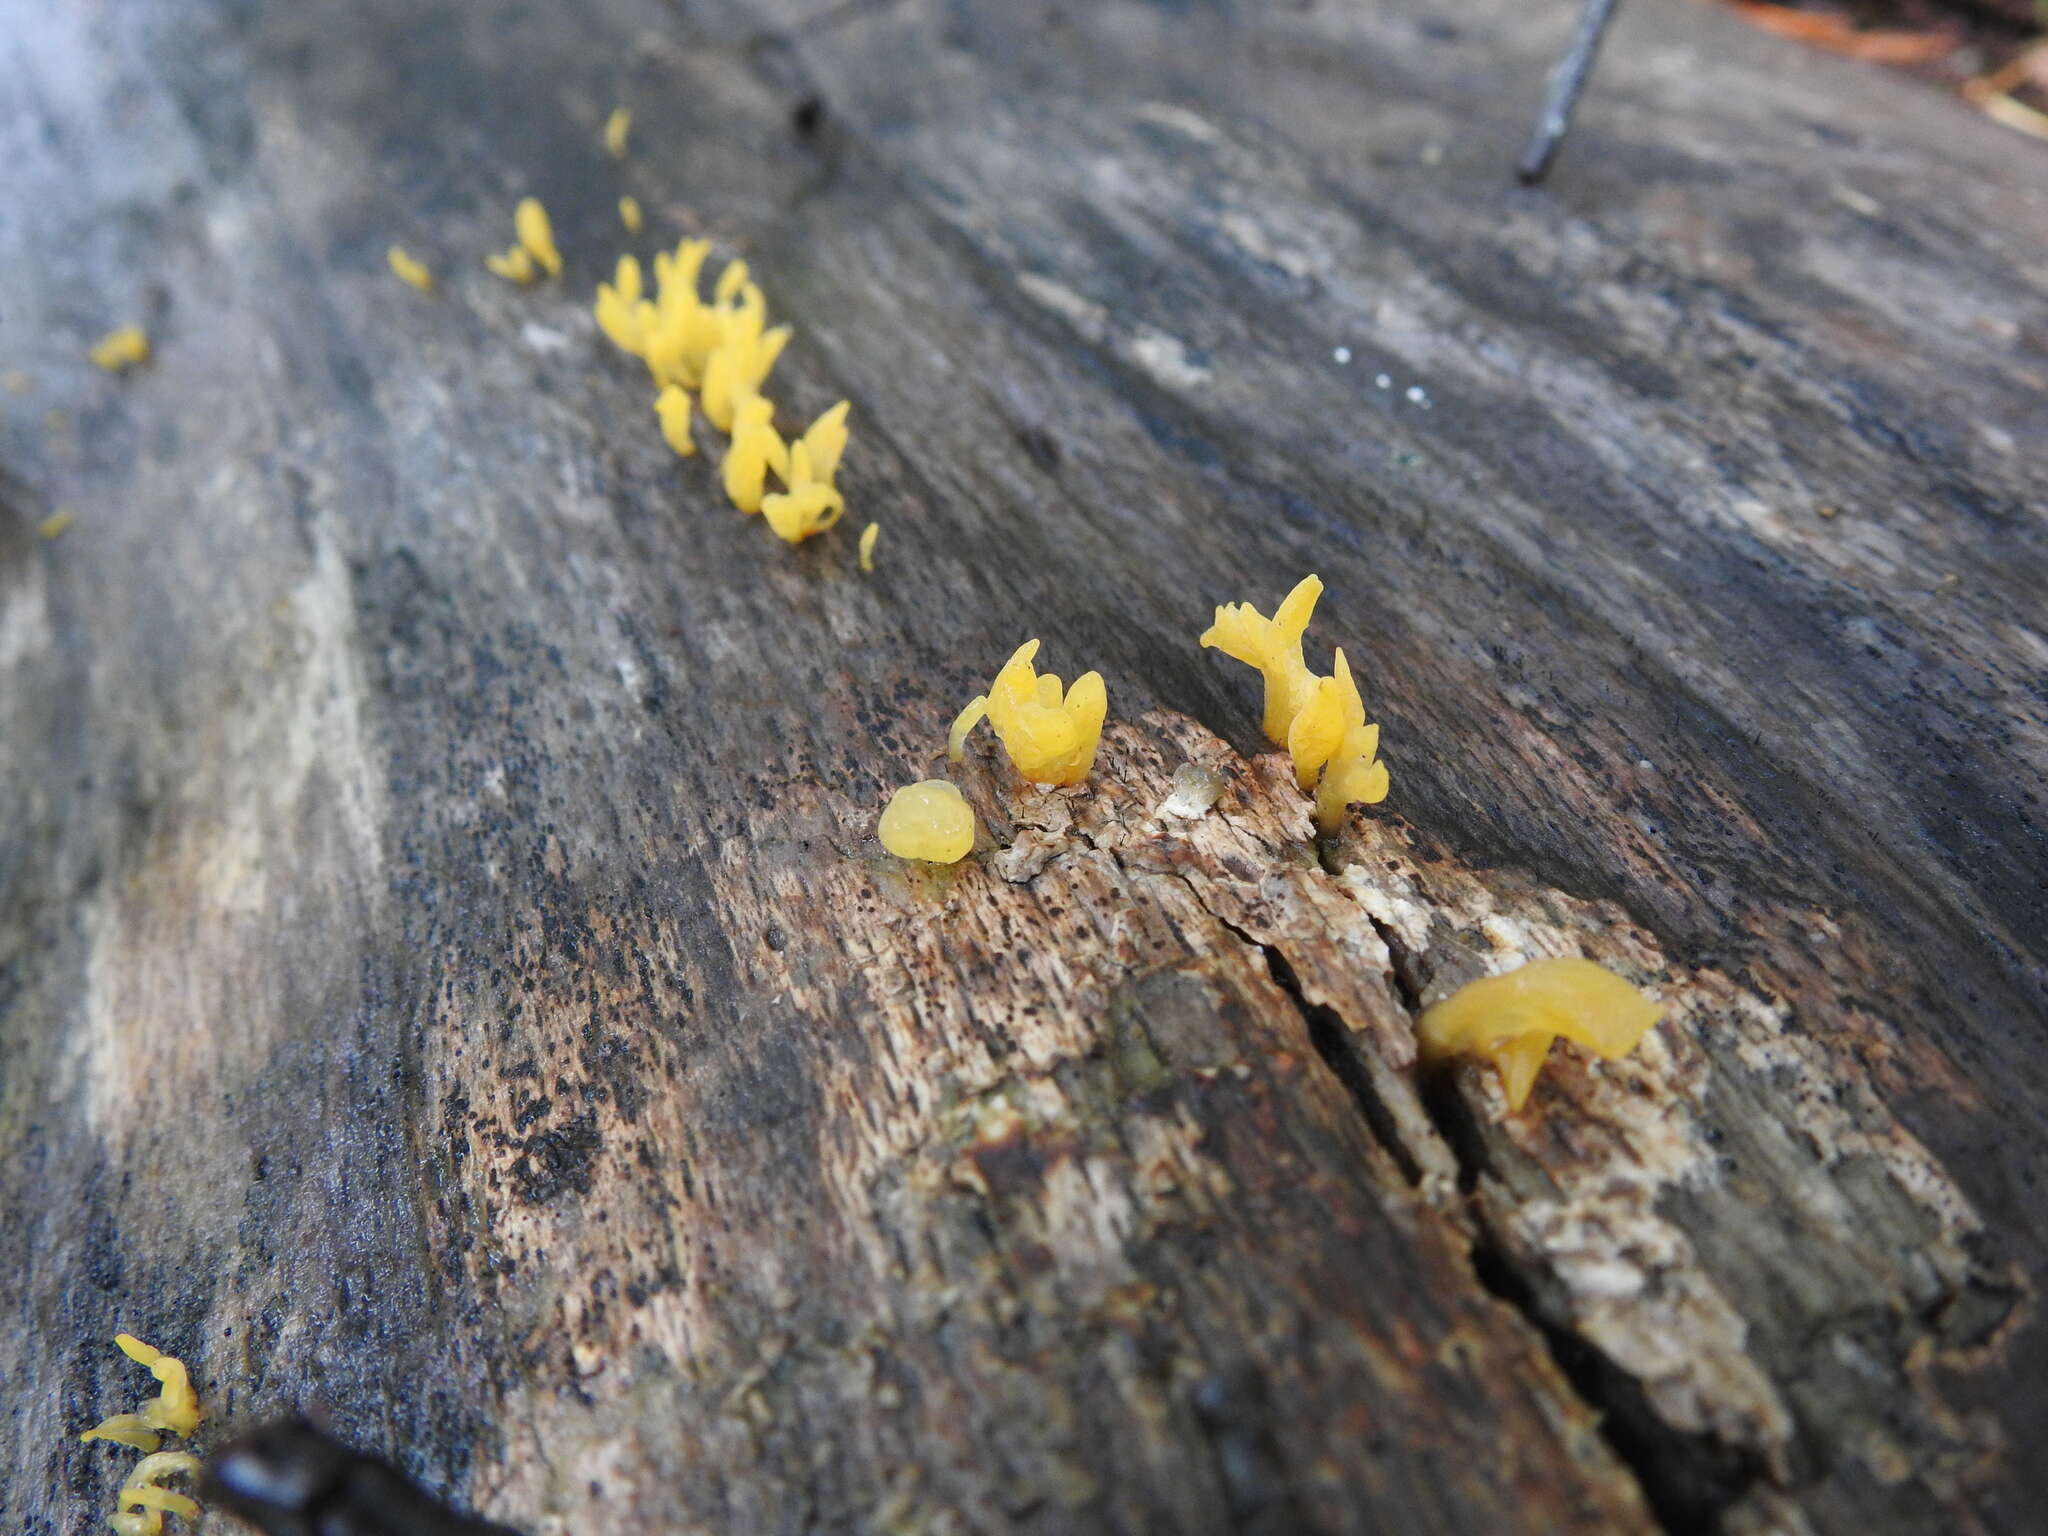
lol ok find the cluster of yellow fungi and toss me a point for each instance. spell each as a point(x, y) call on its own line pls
point(1319, 720)
point(142, 1504)
point(1511, 1019)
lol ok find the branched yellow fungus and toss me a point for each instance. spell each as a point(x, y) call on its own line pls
point(618, 308)
point(175, 1408)
point(143, 1505)
point(825, 440)
point(1049, 734)
point(740, 364)
point(1334, 749)
point(537, 235)
point(121, 349)
point(929, 820)
point(629, 214)
point(1511, 1020)
point(672, 406)
point(756, 448)
point(1272, 645)
point(409, 269)
point(868, 535)
point(514, 265)
point(1355, 776)
point(808, 507)
point(616, 127)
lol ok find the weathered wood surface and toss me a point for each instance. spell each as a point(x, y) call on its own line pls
point(446, 975)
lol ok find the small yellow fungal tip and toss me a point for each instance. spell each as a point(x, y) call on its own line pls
point(537, 234)
point(825, 441)
point(629, 214)
point(929, 820)
point(514, 265)
point(1049, 734)
point(1272, 645)
point(1511, 1019)
point(124, 1429)
point(672, 406)
point(53, 525)
point(121, 349)
point(410, 270)
point(868, 535)
point(616, 127)
point(756, 448)
point(808, 507)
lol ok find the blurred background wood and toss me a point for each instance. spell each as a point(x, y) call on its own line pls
point(447, 980)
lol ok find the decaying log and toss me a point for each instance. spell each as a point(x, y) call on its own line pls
point(447, 977)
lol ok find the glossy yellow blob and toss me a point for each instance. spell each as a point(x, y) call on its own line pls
point(1272, 645)
point(808, 507)
point(1050, 734)
point(672, 407)
point(409, 269)
point(868, 535)
point(123, 348)
point(143, 1504)
point(756, 448)
point(616, 127)
point(1511, 1020)
point(175, 1408)
point(630, 215)
point(537, 235)
point(929, 820)
point(514, 265)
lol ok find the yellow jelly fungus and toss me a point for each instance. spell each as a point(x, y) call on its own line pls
point(617, 307)
point(1050, 735)
point(672, 406)
point(808, 507)
point(54, 525)
point(868, 535)
point(143, 1504)
point(1511, 1020)
point(123, 348)
point(1272, 645)
point(740, 364)
point(629, 214)
point(756, 448)
point(537, 235)
point(410, 270)
point(514, 265)
point(175, 1408)
point(125, 1429)
point(930, 821)
point(1354, 776)
point(616, 127)
point(825, 441)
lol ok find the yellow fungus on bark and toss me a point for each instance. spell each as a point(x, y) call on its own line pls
point(409, 269)
point(756, 448)
point(121, 349)
point(142, 1504)
point(616, 127)
point(175, 1408)
point(629, 214)
point(1511, 1019)
point(929, 820)
point(1355, 776)
point(808, 507)
point(672, 407)
point(825, 440)
point(54, 525)
point(1272, 645)
point(868, 535)
point(740, 364)
point(514, 265)
point(537, 235)
point(1050, 734)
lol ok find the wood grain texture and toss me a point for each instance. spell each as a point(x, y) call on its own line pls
point(446, 973)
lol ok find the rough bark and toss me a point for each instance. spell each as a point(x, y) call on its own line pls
point(446, 973)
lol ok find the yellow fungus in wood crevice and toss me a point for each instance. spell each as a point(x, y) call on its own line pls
point(121, 349)
point(1511, 1019)
point(142, 1504)
point(929, 820)
point(1272, 645)
point(808, 507)
point(1049, 734)
point(616, 127)
point(537, 235)
point(868, 535)
point(756, 448)
point(629, 214)
point(409, 269)
point(672, 407)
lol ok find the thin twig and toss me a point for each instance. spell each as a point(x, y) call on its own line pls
point(1566, 82)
